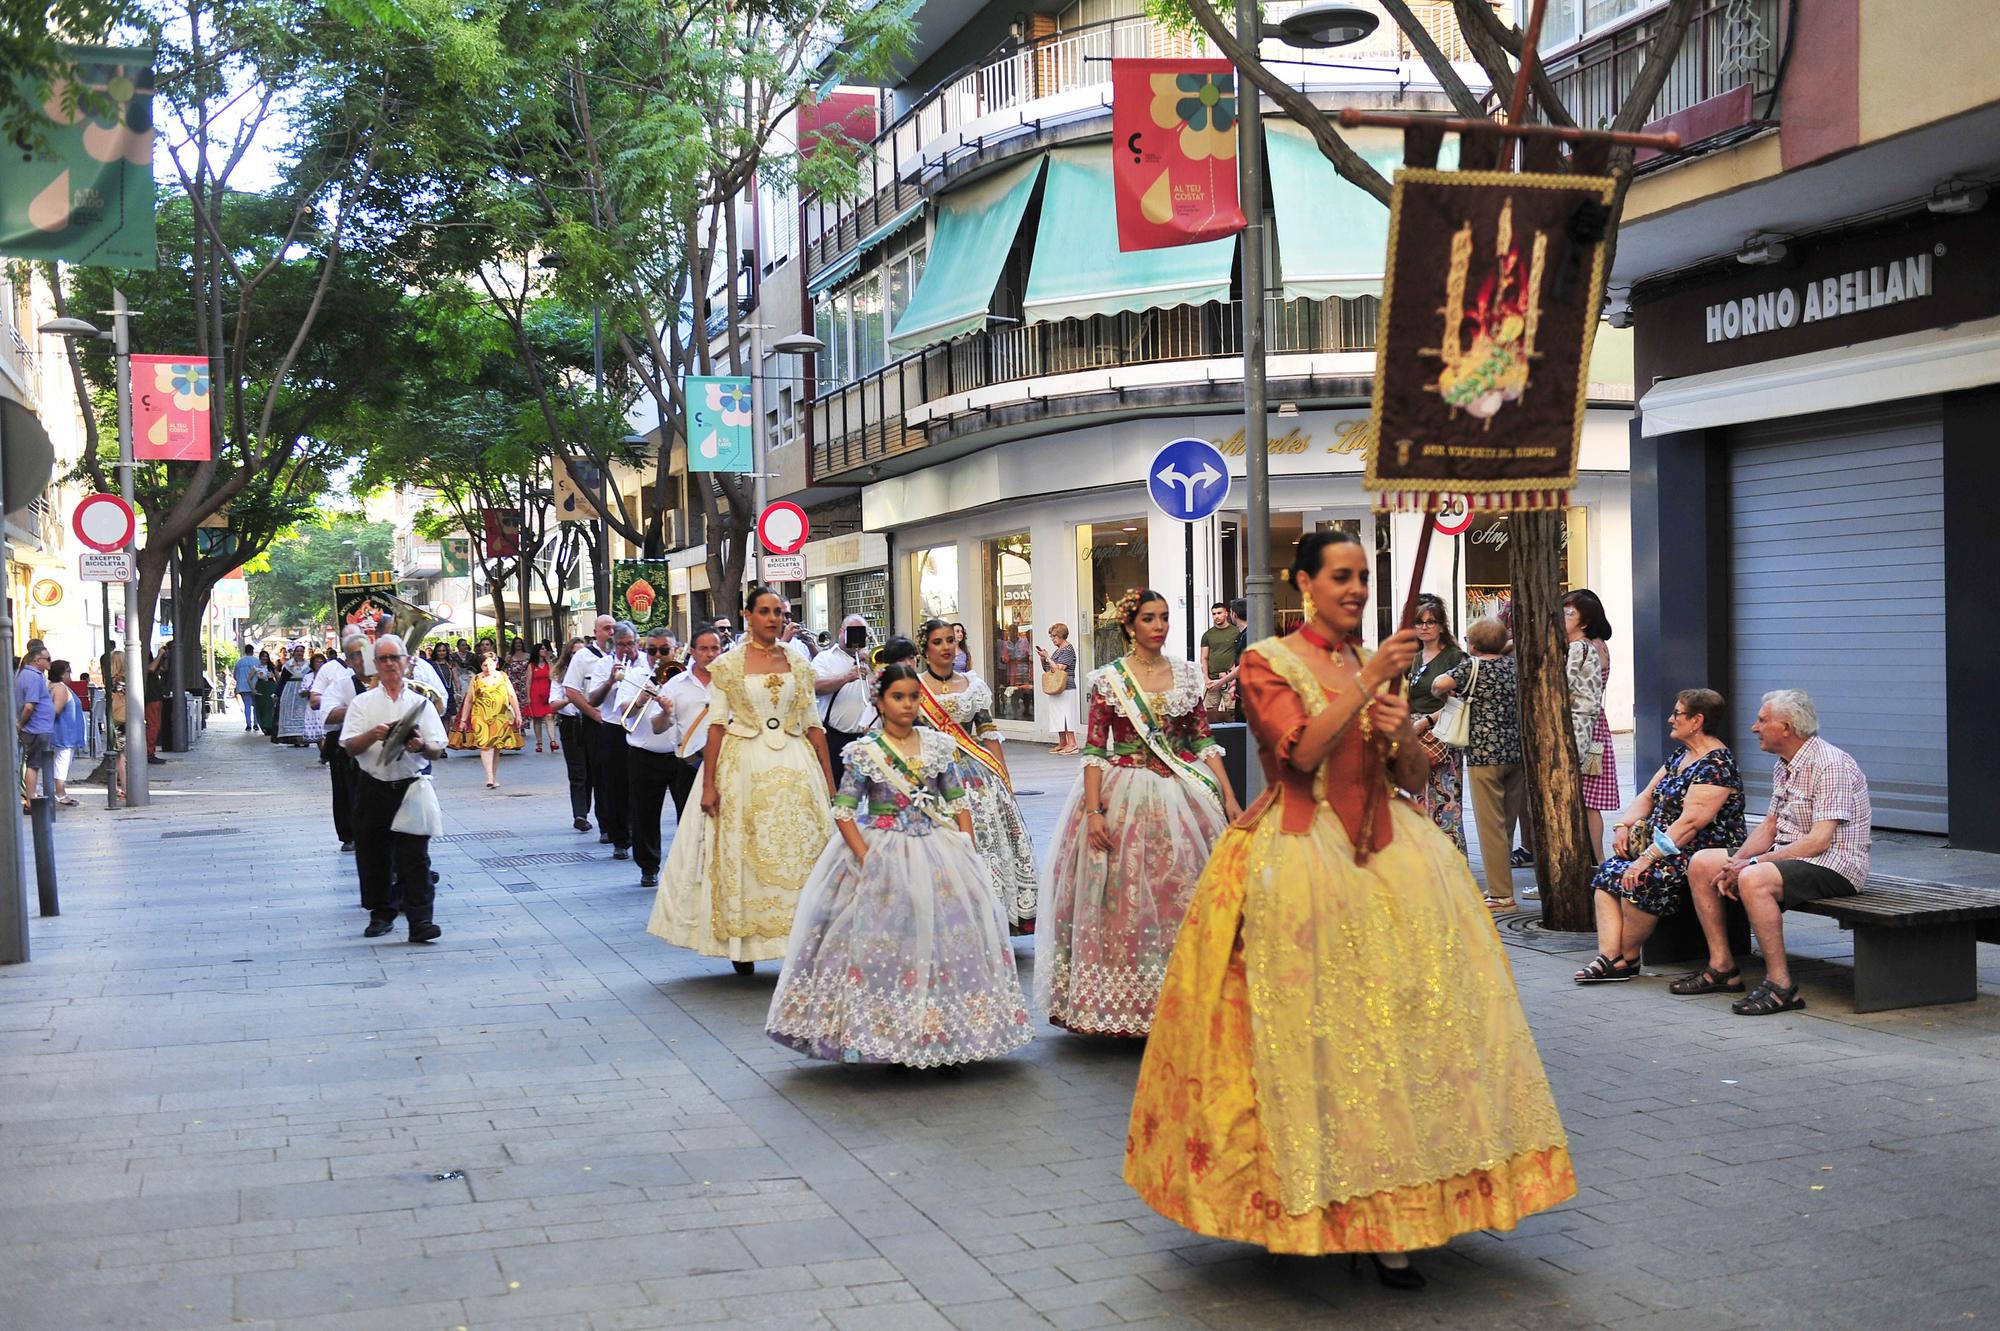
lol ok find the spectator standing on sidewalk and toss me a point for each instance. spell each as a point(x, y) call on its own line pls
point(36, 718)
point(72, 728)
point(394, 867)
point(1218, 661)
point(244, 676)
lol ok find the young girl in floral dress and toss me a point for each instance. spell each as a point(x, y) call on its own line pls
point(899, 951)
point(1147, 808)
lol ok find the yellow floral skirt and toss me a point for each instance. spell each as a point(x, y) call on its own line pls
point(1339, 1061)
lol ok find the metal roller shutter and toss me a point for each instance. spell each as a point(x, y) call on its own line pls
point(1837, 587)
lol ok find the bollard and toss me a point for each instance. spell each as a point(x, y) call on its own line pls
point(43, 822)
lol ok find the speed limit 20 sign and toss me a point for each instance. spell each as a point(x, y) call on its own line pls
point(1453, 516)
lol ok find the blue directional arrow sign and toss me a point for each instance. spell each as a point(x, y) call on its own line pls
point(1188, 479)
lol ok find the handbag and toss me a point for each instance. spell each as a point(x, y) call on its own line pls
point(419, 814)
point(1593, 761)
point(1453, 724)
point(1055, 679)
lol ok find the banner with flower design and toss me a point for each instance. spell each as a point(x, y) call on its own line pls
point(170, 409)
point(501, 532)
point(1173, 146)
point(719, 423)
point(85, 195)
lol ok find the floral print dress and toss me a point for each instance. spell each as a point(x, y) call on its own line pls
point(900, 957)
point(1107, 923)
point(997, 825)
point(1664, 887)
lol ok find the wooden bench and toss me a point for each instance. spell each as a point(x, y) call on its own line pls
point(1913, 941)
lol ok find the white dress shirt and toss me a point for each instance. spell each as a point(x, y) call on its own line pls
point(336, 693)
point(323, 681)
point(640, 734)
point(374, 707)
point(578, 675)
point(689, 698)
point(600, 674)
point(847, 709)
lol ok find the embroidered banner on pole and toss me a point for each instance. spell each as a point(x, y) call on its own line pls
point(86, 195)
point(719, 423)
point(501, 532)
point(1173, 146)
point(1489, 307)
point(170, 409)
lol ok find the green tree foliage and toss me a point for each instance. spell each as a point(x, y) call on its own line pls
point(291, 587)
point(33, 65)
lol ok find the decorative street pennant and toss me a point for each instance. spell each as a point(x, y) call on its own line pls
point(577, 483)
point(170, 409)
point(455, 557)
point(1173, 132)
point(720, 420)
point(502, 532)
point(1489, 305)
point(86, 197)
point(639, 592)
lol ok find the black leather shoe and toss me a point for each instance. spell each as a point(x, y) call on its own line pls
point(744, 967)
point(379, 925)
point(347, 847)
point(580, 824)
point(649, 880)
point(604, 838)
point(425, 933)
point(620, 853)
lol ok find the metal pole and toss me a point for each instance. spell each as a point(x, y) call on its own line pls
point(1257, 582)
point(173, 712)
point(137, 793)
point(13, 875)
point(104, 688)
point(1187, 529)
point(758, 497)
point(600, 567)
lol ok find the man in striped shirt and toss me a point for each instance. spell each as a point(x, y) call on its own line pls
point(1812, 844)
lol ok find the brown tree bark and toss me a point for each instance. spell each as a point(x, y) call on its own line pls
point(1563, 862)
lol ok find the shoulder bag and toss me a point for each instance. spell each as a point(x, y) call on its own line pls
point(1453, 723)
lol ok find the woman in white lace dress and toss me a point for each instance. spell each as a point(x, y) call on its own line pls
point(733, 876)
point(1134, 836)
point(960, 704)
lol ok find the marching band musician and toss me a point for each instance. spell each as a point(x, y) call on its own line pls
point(649, 749)
point(687, 695)
point(614, 814)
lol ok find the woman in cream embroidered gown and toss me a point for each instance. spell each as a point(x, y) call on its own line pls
point(733, 875)
point(1339, 1061)
point(1133, 837)
point(997, 827)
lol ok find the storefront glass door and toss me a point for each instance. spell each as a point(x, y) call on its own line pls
point(1235, 559)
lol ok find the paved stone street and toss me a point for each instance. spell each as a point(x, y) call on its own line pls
point(221, 1107)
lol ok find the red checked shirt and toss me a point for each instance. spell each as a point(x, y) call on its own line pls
point(1821, 784)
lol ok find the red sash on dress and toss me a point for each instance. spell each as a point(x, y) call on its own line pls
point(939, 718)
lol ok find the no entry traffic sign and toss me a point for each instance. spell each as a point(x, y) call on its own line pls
point(103, 522)
point(782, 528)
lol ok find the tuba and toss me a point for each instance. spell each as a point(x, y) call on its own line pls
point(406, 620)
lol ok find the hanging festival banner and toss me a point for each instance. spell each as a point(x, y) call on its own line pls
point(170, 409)
point(502, 532)
point(577, 481)
point(1173, 152)
point(84, 195)
point(719, 422)
point(1489, 305)
point(639, 592)
point(455, 557)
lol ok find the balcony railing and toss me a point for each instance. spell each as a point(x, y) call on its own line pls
point(1067, 62)
point(1729, 46)
point(866, 421)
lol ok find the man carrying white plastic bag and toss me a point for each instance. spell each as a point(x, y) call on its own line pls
point(390, 732)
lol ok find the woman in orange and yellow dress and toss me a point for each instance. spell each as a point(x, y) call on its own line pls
point(1339, 1061)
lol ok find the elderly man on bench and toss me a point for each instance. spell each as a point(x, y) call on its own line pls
point(1811, 845)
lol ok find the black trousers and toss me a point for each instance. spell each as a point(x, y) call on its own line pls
point(649, 776)
point(614, 795)
point(577, 741)
point(680, 783)
point(836, 740)
point(340, 768)
point(394, 867)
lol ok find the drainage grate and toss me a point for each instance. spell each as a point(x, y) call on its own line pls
point(202, 831)
point(518, 888)
point(456, 837)
point(529, 861)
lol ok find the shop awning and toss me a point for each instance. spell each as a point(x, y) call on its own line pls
point(838, 271)
point(1079, 270)
point(976, 227)
point(1332, 236)
point(845, 267)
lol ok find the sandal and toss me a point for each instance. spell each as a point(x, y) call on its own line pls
point(1768, 999)
point(1501, 903)
point(1607, 970)
point(1708, 980)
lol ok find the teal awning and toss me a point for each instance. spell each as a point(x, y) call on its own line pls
point(976, 227)
point(1079, 269)
point(842, 269)
point(889, 228)
point(838, 271)
point(1332, 237)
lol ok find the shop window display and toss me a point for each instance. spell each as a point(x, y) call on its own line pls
point(934, 583)
point(1010, 625)
point(1111, 558)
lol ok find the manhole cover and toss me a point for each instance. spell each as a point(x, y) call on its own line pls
point(201, 831)
point(456, 837)
point(528, 861)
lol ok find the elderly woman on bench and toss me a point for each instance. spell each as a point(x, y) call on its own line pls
point(1694, 802)
point(1812, 844)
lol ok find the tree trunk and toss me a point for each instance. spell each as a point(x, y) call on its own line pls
point(1555, 778)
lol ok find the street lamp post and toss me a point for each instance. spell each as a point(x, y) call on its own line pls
point(137, 792)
